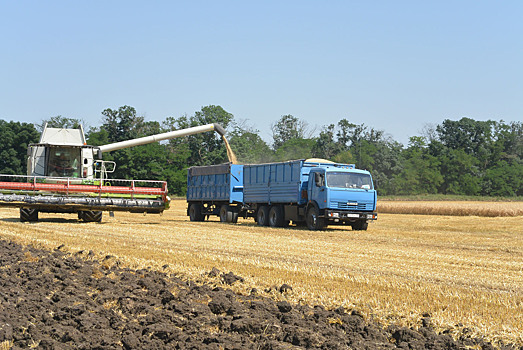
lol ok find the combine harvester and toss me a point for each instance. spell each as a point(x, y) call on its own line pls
point(65, 175)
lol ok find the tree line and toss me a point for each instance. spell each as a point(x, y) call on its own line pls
point(463, 157)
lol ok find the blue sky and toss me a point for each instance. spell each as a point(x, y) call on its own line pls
point(393, 65)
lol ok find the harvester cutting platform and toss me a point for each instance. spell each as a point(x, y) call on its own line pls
point(65, 175)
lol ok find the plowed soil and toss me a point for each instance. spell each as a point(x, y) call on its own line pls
point(58, 300)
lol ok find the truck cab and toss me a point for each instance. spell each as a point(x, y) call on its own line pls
point(339, 194)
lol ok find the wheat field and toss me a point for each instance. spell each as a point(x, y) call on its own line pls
point(453, 208)
point(465, 271)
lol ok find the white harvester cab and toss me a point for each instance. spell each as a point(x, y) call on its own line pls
point(61, 153)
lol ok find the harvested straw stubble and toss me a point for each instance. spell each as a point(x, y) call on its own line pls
point(452, 208)
point(463, 271)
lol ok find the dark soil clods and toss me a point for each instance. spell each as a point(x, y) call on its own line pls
point(55, 300)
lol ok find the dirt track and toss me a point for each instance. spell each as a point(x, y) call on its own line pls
point(55, 300)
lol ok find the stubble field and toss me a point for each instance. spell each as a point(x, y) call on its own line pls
point(465, 271)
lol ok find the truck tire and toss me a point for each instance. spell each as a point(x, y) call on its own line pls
point(226, 214)
point(314, 222)
point(235, 215)
point(360, 225)
point(90, 215)
point(195, 212)
point(28, 215)
point(263, 216)
point(276, 218)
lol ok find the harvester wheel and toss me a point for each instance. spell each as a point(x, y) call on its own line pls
point(195, 212)
point(276, 217)
point(90, 216)
point(263, 216)
point(360, 226)
point(28, 215)
point(225, 213)
point(314, 222)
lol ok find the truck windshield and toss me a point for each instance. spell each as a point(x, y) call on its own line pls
point(349, 180)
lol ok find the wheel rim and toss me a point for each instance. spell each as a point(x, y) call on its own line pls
point(312, 218)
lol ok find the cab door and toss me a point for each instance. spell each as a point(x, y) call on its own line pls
point(317, 188)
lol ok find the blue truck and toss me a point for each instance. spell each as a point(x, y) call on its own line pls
point(312, 192)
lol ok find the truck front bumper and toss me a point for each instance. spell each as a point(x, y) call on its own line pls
point(349, 215)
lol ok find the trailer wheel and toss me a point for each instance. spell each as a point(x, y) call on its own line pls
point(195, 212)
point(276, 217)
point(360, 225)
point(226, 214)
point(28, 215)
point(314, 222)
point(263, 216)
point(90, 216)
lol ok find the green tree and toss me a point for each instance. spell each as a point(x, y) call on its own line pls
point(16, 138)
point(295, 149)
point(122, 124)
point(205, 148)
point(326, 145)
point(248, 146)
point(504, 179)
point(461, 173)
point(287, 128)
point(421, 171)
point(471, 136)
point(61, 122)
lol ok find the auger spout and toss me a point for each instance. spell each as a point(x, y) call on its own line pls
point(161, 137)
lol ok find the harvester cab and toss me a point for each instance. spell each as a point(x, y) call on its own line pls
point(65, 175)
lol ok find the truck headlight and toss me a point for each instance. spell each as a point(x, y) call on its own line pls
point(334, 215)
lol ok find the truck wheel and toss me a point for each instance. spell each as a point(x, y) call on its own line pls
point(90, 216)
point(226, 214)
point(314, 222)
point(235, 215)
point(28, 215)
point(263, 216)
point(360, 226)
point(195, 212)
point(276, 218)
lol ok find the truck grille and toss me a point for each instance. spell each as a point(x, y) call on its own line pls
point(351, 205)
